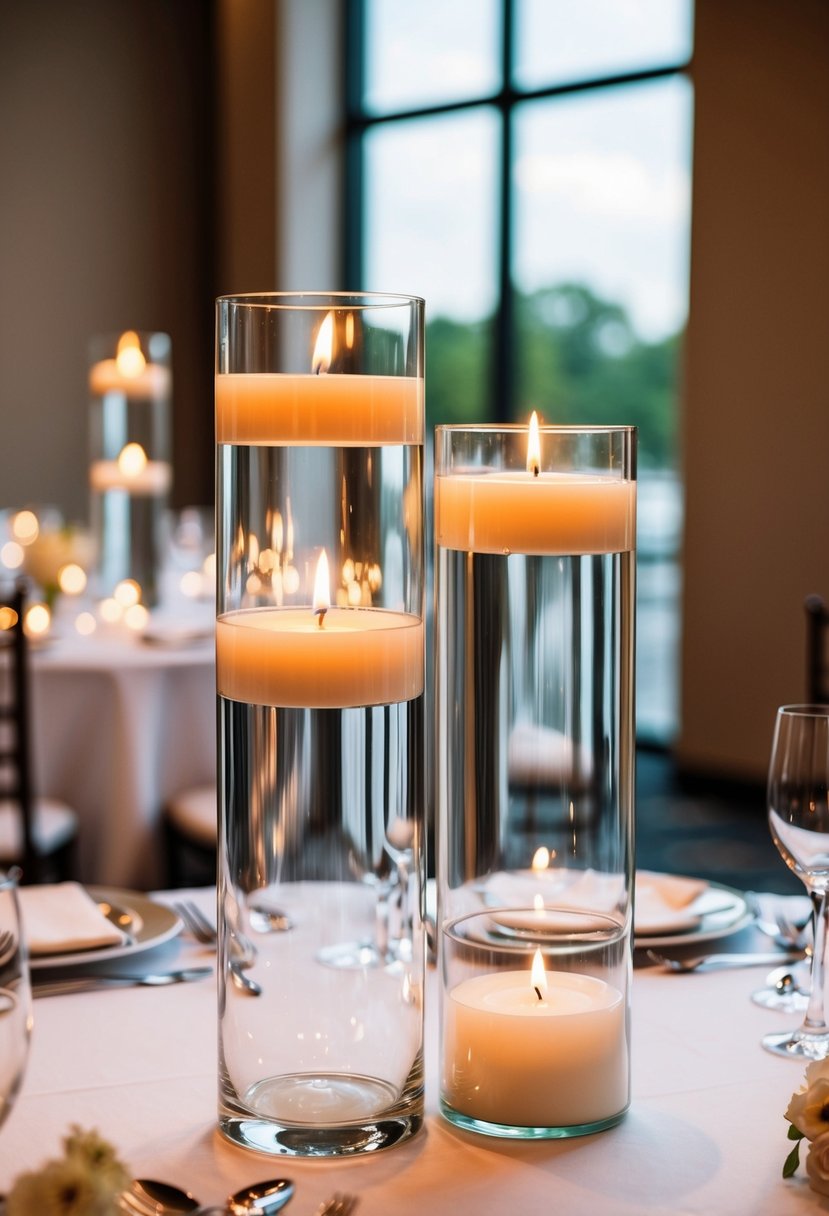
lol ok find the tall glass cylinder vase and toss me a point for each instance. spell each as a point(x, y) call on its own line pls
point(535, 533)
point(130, 472)
point(320, 677)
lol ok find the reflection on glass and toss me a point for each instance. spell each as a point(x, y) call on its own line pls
point(431, 52)
point(602, 189)
point(430, 222)
point(564, 41)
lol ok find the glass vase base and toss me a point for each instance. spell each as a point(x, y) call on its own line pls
point(796, 1045)
point(305, 1115)
point(511, 1132)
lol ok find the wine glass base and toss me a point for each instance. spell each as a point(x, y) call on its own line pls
point(797, 1045)
point(793, 1001)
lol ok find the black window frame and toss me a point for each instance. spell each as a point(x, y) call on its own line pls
point(506, 101)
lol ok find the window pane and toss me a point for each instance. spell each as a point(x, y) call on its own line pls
point(429, 230)
point(564, 41)
point(430, 52)
point(602, 190)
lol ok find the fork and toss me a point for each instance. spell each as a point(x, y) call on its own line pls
point(340, 1204)
point(717, 962)
point(242, 952)
point(196, 922)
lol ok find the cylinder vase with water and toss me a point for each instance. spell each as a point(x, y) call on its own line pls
point(535, 570)
point(320, 678)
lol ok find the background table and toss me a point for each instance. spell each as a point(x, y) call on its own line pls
point(118, 726)
point(705, 1133)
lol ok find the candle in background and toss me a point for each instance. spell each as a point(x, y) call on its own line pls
point(317, 656)
point(133, 472)
point(129, 372)
point(130, 471)
point(535, 1049)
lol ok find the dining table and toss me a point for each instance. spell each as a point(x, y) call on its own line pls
point(122, 721)
point(705, 1132)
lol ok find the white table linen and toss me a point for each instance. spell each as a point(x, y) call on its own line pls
point(119, 726)
point(705, 1133)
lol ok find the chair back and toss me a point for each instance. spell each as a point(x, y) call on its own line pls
point(817, 650)
point(15, 765)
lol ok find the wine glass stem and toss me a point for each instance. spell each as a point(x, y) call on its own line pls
point(815, 1021)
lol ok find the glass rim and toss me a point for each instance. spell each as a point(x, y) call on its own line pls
point(317, 301)
point(805, 709)
point(519, 428)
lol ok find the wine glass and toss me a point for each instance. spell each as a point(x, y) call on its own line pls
point(15, 996)
point(798, 807)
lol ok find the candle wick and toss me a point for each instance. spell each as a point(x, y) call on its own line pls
point(320, 613)
point(536, 469)
point(538, 993)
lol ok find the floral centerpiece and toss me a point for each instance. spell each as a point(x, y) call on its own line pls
point(808, 1116)
point(86, 1181)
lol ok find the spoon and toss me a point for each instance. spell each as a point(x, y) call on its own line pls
point(269, 920)
point(242, 980)
point(146, 1197)
point(260, 1199)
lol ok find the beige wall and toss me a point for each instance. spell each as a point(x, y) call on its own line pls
point(105, 224)
point(756, 413)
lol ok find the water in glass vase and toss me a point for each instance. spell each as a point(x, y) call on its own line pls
point(536, 670)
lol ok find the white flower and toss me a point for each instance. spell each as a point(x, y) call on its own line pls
point(85, 1182)
point(808, 1109)
point(817, 1164)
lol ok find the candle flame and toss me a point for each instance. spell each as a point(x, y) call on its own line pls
point(129, 359)
point(322, 588)
point(534, 447)
point(324, 346)
point(541, 859)
point(132, 460)
point(538, 976)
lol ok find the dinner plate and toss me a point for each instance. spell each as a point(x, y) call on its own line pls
point(148, 923)
point(718, 912)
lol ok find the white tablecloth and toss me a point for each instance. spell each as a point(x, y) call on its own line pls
point(118, 726)
point(705, 1134)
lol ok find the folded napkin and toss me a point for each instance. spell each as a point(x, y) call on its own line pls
point(667, 902)
point(664, 902)
point(61, 917)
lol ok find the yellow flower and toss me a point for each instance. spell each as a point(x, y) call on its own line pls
point(808, 1109)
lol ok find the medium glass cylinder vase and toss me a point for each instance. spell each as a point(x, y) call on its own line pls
point(535, 534)
point(130, 472)
point(320, 677)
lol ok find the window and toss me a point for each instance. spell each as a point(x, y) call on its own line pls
point(525, 166)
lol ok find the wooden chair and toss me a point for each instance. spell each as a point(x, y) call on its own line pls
point(37, 834)
point(817, 650)
point(191, 825)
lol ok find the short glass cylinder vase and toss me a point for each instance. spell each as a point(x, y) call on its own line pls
point(535, 591)
point(320, 679)
point(130, 471)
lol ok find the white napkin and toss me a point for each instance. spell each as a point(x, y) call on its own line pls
point(61, 917)
point(667, 902)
